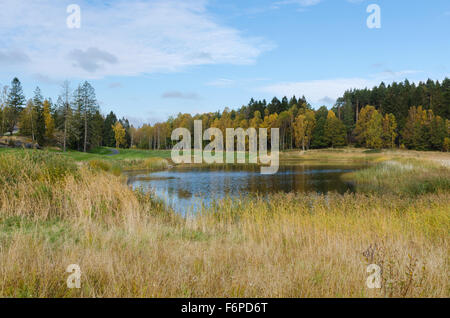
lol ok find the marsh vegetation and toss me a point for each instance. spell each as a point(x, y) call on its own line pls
point(56, 211)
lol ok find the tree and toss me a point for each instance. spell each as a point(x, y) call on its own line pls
point(335, 131)
point(256, 120)
point(303, 128)
point(39, 120)
point(417, 131)
point(66, 111)
point(389, 131)
point(374, 131)
point(438, 133)
point(318, 137)
point(119, 134)
point(49, 122)
point(108, 132)
point(27, 120)
point(14, 104)
point(369, 128)
point(86, 104)
point(96, 124)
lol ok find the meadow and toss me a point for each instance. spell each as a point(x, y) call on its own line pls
point(59, 209)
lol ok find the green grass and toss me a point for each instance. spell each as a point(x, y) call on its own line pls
point(105, 153)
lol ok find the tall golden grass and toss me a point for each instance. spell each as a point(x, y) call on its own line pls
point(54, 213)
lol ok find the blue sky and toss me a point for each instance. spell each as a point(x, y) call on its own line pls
point(152, 59)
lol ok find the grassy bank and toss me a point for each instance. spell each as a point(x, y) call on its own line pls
point(105, 159)
point(55, 212)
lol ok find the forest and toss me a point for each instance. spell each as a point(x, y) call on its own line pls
point(400, 115)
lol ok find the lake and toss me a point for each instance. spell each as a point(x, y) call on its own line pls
point(186, 188)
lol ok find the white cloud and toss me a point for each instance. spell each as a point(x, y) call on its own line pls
point(120, 37)
point(327, 91)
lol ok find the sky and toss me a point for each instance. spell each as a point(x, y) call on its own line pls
point(150, 59)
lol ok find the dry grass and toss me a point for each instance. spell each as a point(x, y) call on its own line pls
point(128, 245)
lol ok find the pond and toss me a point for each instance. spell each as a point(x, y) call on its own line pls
point(186, 188)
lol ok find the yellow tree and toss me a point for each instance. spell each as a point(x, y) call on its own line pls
point(369, 128)
point(49, 122)
point(389, 131)
point(26, 121)
point(374, 131)
point(119, 134)
point(303, 128)
point(256, 121)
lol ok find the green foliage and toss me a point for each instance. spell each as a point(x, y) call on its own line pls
point(335, 131)
point(76, 122)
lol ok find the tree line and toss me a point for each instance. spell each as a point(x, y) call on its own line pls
point(73, 122)
point(398, 115)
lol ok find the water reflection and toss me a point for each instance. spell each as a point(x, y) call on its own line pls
point(185, 188)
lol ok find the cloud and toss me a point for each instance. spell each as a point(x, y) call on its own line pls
point(115, 85)
point(13, 57)
point(327, 100)
point(120, 38)
point(221, 82)
point(46, 79)
point(180, 95)
point(328, 90)
point(92, 59)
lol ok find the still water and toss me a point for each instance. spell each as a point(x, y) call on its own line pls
point(185, 189)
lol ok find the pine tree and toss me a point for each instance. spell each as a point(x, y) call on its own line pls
point(14, 105)
point(108, 132)
point(38, 102)
point(318, 136)
point(86, 105)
